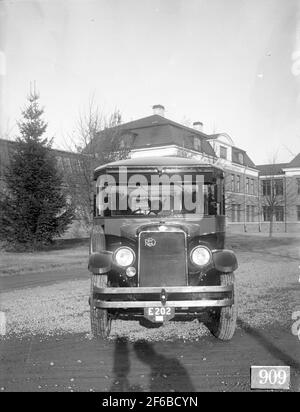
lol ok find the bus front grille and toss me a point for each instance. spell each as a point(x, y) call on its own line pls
point(162, 259)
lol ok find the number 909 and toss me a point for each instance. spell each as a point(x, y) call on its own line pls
point(270, 377)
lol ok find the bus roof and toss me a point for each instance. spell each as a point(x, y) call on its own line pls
point(159, 161)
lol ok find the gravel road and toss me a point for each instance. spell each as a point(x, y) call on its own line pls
point(48, 346)
point(76, 363)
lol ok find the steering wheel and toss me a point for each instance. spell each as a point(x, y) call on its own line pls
point(137, 212)
point(153, 211)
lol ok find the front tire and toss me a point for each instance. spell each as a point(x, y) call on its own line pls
point(222, 323)
point(100, 318)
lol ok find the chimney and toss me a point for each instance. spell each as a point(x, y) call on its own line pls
point(198, 126)
point(158, 109)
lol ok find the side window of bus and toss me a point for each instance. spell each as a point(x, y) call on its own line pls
point(210, 201)
point(106, 211)
point(101, 207)
point(95, 210)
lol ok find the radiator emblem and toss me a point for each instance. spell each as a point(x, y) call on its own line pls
point(150, 242)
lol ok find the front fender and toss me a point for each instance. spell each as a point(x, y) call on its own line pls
point(224, 260)
point(100, 262)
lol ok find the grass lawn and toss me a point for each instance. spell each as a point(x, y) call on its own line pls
point(62, 255)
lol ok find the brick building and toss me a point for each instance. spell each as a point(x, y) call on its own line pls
point(280, 184)
point(247, 186)
point(241, 183)
point(156, 135)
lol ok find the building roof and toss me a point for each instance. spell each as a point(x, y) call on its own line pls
point(246, 159)
point(295, 162)
point(7, 147)
point(278, 168)
point(156, 119)
point(156, 130)
point(236, 151)
point(169, 134)
point(216, 136)
point(272, 169)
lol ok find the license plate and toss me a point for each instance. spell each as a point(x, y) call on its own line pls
point(159, 314)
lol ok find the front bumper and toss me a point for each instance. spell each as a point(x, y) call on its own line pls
point(181, 297)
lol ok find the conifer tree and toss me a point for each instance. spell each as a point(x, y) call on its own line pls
point(34, 208)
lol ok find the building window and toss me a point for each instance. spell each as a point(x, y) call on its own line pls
point(247, 185)
point(238, 213)
point(266, 213)
point(235, 213)
point(241, 158)
point(238, 183)
point(67, 164)
point(60, 163)
point(75, 165)
point(252, 186)
point(253, 213)
point(250, 213)
point(266, 187)
point(298, 185)
point(126, 142)
point(274, 187)
point(278, 214)
point(197, 144)
point(79, 165)
point(278, 187)
point(298, 213)
point(223, 152)
point(232, 183)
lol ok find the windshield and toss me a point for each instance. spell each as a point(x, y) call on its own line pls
point(163, 199)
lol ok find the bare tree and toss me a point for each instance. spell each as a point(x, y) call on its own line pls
point(271, 201)
point(97, 141)
point(276, 196)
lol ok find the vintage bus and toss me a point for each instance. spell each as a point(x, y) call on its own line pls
point(157, 246)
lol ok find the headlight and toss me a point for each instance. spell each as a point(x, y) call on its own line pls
point(131, 271)
point(124, 256)
point(200, 255)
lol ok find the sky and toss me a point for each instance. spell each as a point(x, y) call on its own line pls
point(232, 64)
